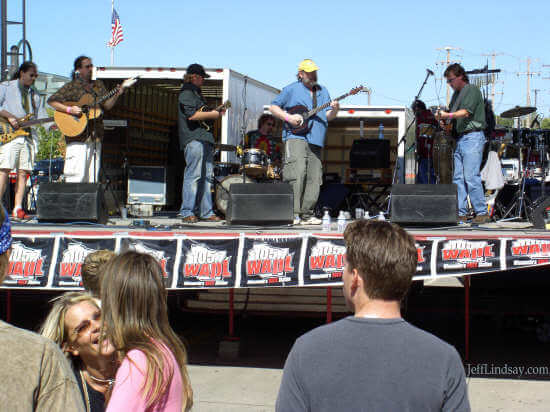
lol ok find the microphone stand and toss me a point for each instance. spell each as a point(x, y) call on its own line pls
point(403, 139)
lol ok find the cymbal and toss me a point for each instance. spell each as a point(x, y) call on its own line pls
point(225, 147)
point(518, 111)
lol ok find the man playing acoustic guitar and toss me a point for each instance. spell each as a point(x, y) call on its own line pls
point(18, 99)
point(302, 166)
point(83, 149)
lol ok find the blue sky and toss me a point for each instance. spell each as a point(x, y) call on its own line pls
point(385, 45)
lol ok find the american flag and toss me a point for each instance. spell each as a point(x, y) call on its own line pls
point(116, 27)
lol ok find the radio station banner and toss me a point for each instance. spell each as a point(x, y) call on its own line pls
point(208, 263)
point(30, 261)
point(467, 256)
point(163, 250)
point(71, 255)
point(527, 252)
point(271, 261)
point(324, 261)
point(424, 250)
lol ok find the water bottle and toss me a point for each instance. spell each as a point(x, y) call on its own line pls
point(381, 131)
point(326, 222)
point(381, 216)
point(366, 216)
point(341, 221)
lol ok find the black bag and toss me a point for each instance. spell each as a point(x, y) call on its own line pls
point(490, 121)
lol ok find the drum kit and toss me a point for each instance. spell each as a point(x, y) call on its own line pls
point(254, 167)
point(524, 156)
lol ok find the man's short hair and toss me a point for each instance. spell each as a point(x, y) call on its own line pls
point(457, 70)
point(385, 256)
point(91, 270)
point(264, 118)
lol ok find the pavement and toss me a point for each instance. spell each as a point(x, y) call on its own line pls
point(220, 388)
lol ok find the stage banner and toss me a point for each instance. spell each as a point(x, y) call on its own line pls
point(458, 257)
point(163, 250)
point(208, 263)
point(527, 252)
point(324, 261)
point(71, 255)
point(30, 261)
point(423, 267)
point(271, 261)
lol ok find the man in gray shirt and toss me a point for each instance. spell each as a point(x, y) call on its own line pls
point(373, 360)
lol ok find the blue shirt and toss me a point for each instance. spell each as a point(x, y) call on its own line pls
point(297, 94)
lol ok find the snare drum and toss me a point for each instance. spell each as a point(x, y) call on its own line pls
point(254, 162)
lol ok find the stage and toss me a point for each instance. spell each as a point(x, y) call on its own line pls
point(215, 255)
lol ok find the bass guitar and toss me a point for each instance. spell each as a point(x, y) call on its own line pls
point(72, 125)
point(303, 127)
point(7, 132)
point(207, 125)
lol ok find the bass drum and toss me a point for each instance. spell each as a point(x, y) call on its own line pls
point(222, 190)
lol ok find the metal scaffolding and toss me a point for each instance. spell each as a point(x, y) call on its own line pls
point(15, 50)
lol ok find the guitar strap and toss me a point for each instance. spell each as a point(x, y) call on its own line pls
point(454, 107)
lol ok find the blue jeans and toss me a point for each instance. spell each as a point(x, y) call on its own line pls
point(197, 180)
point(467, 161)
point(426, 174)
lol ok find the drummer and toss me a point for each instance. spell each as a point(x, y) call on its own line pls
point(263, 139)
point(426, 126)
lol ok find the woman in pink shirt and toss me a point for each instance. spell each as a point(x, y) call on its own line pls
point(152, 375)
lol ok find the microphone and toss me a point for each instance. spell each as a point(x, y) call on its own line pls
point(430, 72)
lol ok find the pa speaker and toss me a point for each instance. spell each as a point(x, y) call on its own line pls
point(260, 204)
point(71, 202)
point(424, 204)
point(541, 214)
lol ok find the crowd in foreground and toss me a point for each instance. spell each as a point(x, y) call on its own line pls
point(111, 348)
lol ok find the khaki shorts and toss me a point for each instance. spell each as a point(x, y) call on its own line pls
point(17, 154)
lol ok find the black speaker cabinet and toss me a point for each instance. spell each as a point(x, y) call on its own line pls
point(541, 213)
point(260, 204)
point(424, 204)
point(370, 154)
point(71, 202)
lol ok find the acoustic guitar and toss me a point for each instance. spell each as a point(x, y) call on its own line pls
point(72, 125)
point(7, 132)
point(303, 127)
point(207, 124)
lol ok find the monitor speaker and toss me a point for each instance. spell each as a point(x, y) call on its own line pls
point(424, 204)
point(260, 204)
point(71, 202)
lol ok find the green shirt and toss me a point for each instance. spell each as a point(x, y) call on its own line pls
point(472, 101)
point(189, 101)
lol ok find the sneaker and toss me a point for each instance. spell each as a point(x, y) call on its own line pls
point(480, 219)
point(296, 220)
point(190, 219)
point(19, 213)
point(312, 220)
point(462, 220)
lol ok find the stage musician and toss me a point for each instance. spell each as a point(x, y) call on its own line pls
point(82, 157)
point(198, 144)
point(426, 126)
point(302, 166)
point(468, 116)
point(19, 98)
point(263, 139)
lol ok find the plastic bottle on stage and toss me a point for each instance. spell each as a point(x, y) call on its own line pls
point(381, 131)
point(366, 216)
point(326, 222)
point(341, 221)
point(381, 216)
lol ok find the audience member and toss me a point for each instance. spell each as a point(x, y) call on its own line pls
point(373, 360)
point(92, 271)
point(153, 374)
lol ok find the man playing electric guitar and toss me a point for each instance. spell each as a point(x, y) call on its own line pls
point(82, 150)
point(302, 166)
point(18, 98)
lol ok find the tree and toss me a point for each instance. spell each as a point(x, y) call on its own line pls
point(503, 122)
point(545, 123)
point(50, 143)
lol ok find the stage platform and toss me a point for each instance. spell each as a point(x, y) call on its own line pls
point(215, 255)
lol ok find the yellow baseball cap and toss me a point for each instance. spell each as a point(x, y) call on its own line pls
point(308, 65)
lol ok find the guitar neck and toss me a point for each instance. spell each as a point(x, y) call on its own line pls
point(37, 121)
point(313, 112)
point(107, 96)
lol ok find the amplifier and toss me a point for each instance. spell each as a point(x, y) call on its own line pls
point(71, 202)
point(424, 204)
point(370, 153)
point(149, 185)
point(260, 204)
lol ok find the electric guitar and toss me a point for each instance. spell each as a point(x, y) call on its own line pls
point(7, 133)
point(72, 125)
point(303, 127)
point(205, 124)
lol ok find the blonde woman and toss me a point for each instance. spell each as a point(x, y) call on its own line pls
point(74, 323)
point(153, 374)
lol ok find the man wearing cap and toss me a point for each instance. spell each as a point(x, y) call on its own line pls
point(198, 144)
point(302, 166)
point(373, 360)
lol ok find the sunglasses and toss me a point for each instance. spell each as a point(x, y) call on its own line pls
point(270, 124)
point(449, 81)
point(88, 66)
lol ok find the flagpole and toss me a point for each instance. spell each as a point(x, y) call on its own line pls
point(112, 47)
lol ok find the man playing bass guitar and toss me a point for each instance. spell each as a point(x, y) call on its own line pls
point(82, 158)
point(304, 140)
